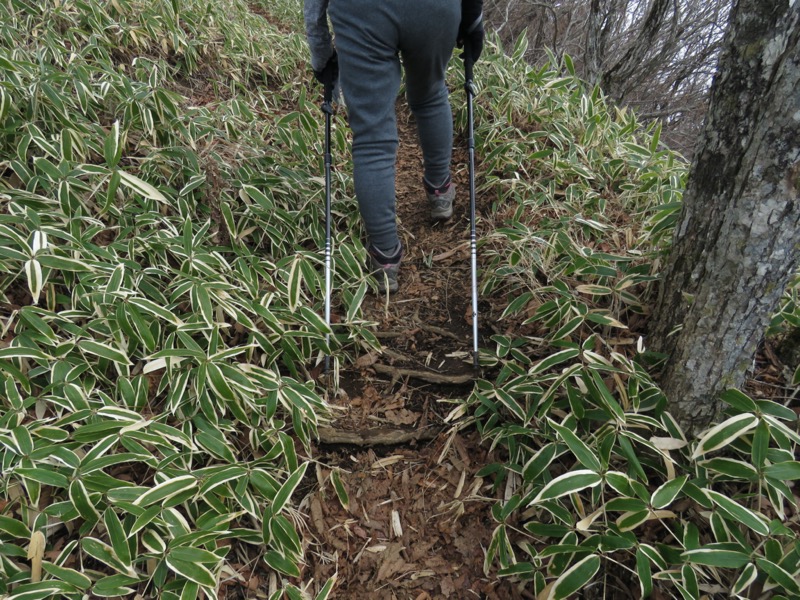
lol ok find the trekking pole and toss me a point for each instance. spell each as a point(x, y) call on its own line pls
point(473, 243)
point(328, 110)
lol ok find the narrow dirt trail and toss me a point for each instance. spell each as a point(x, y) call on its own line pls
point(417, 523)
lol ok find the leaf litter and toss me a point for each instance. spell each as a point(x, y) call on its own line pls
point(417, 521)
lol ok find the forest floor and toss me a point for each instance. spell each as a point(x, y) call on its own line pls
point(418, 522)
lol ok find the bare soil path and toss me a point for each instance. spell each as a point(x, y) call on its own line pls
point(417, 522)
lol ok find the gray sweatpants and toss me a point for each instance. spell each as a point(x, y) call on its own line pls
point(371, 36)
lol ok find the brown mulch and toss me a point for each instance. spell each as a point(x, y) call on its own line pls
point(415, 527)
point(418, 522)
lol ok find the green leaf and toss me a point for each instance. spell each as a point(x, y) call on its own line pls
point(731, 468)
point(779, 575)
point(581, 451)
point(30, 316)
point(724, 433)
point(568, 483)
point(747, 577)
point(326, 590)
point(667, 492)
point(219, 383)
point(14, 528)
point(154, 309)
point(80, 499)
point(115, 585)
point(104, 351)
point(774, 409)
point(140, 186)
point(631, 520)
point(554, 359)
point(739, 513)
point(537, 464)
point(198, 573)
point(645, 573)
point(64, 263)
point(70, 576)
point(112, 150)
point(785, 471)
point(341, 491)
point(44, 476)
point(194, 555)
point(739, 400)
point(116, 535)
point(714, 556)
point(760, 446)
point(620, 483)
point(43, 589)
point(574, 578)
point(105, 554)
point(280, 563)
point(287, 489)
point(167, 489)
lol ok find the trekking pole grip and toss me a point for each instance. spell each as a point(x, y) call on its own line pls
point(327, 98)
point(468, 63)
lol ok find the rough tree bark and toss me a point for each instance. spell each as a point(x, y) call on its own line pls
point(737, 242)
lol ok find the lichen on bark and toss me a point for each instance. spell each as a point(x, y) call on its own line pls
point(735, 247)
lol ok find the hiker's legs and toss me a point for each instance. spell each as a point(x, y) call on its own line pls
point(427, 40)
point(366, 40)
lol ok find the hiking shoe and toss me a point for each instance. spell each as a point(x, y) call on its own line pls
point(441, 199)
point(385, 268)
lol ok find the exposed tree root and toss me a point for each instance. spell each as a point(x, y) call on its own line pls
point(429, 376)
point(378, 436)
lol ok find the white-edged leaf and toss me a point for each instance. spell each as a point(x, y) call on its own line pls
point(326, 590)
point(748, 575)
point(288, 487)
point(578, 447)
point(39, 241)
point(294, 283)
point(21, 352)
point(167, 489)
point(33, 273)
point(140, 186)
point(104, 351)
point(714, 556)
point(723, 434)
point(196, 572)
point(111, 147)
point(780, 576)
point(739, 513)
point(5, 103)
point(154, 309)
point(568, 483)
point(553, 360)
point(667, 492)
point(575, 578)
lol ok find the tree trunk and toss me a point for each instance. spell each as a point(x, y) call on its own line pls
point(737, 241)
point(616, 79)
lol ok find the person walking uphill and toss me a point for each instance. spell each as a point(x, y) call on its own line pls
point(372, 37)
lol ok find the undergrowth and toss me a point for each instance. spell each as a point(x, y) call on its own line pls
point(160, 330)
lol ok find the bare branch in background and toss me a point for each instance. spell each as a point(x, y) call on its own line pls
point(656, 56)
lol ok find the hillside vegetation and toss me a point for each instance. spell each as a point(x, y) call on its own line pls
point(161, 291)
